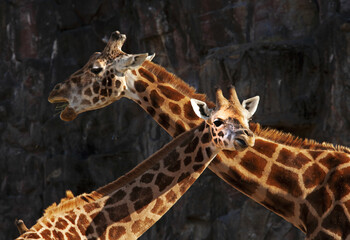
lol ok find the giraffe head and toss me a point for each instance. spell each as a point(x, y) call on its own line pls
point(229, 120)
point(100, 82)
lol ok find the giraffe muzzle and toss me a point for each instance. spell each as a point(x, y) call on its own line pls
point(244, 139)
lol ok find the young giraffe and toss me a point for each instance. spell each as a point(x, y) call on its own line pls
point(304, 182)
point(127, 207)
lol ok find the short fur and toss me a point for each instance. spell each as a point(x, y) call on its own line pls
point(290, 140)
point(177, 83)
point(69, 203)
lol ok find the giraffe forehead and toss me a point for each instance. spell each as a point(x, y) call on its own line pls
point(230, 115)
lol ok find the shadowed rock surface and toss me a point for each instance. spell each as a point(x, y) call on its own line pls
point(294, 54)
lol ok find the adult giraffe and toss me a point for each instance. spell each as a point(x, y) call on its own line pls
point(305, 182)
point(127, 207)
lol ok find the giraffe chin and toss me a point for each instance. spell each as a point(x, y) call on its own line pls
point(68, 114)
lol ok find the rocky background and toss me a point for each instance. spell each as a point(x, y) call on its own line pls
point(293, 53)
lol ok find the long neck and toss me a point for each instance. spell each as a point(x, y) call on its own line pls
point(165, 97)
point(127, 207)
point(257, 172)
point(306, 183)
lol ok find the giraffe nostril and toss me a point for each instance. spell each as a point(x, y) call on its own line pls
point(58, 86)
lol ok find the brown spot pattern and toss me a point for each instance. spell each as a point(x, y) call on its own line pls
point(266, 148)
point(72, 234)
point(175, 108)
point(103, 92)
point(331, 161)
point(209, 152)
point(91, 206)
point(170, 158)
point(279, 204)
point(88, 92)
point(198, 168)
point(140, 86)
point(339, 183)
point(71, 218)
point(230, 154)
point(183, 176)
point(337, 222)
point(179, 128)
point(96, 87)
point(199, 155)
point(119, 212)
point(46, 234)
point(116, 232)
point(285, 180)
point(313, 176)
point(146, 74)
point(253, 163)
point(309, 220)
point(100, 222)
point(238, 180)
point(205, 138)
point(159, 207)
point(289, 159)
point(164, 120)
point(156, 99)
point(118, 196)
point(82, 223)
point(139, 226)
point(147, 178)
point(192, 146)
point(95, 100)
point(142, 196)
point(61, 224)
point(171, 93)
point(163, 181)
point(320, 200)
point(314, 154)
point(186, 184)
point(117, 84)
point(151, 111)
point(189, 113)
point(171, 196)
point(187, 160)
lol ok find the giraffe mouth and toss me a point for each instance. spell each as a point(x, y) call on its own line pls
point(240, 144)
point(67, 113)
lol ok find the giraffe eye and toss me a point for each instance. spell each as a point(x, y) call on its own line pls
point(218, 122)
point(96, 70)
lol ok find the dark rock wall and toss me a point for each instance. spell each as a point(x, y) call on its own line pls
point(294, 54)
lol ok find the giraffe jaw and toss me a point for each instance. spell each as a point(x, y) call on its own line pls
point(68, 113)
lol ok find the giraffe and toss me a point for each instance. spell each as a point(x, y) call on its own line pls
point(127, 207)
point(304, 182)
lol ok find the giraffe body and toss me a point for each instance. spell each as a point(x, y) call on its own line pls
point(127, 207)
point(304, 182)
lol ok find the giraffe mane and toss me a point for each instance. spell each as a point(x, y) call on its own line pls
point(272, 134)
point(291, 140)
point(70, 202)
point(176, 82)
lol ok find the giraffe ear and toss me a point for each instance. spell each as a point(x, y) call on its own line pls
point(150, 57)
point(130, 61)
point(201, 109)
point(251, 104)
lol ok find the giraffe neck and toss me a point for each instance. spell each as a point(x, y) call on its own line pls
point(165, 97)
point(306, 183)
point(286, 178)
point(127, 207)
